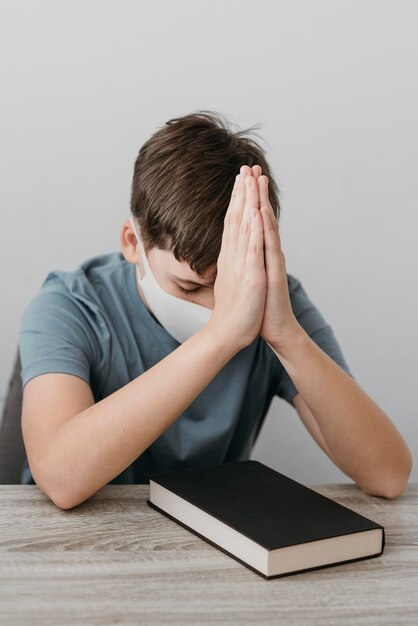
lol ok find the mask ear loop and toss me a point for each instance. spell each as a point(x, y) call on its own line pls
point(133, 224)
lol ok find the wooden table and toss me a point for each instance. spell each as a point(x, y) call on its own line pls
point(115, 560)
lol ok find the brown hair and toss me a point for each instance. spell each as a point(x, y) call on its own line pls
point(182, 185)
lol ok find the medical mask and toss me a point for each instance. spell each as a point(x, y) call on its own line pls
point(181, 318)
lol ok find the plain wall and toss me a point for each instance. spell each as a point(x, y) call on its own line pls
point(333, 87)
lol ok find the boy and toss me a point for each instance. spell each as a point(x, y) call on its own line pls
point(169, 354)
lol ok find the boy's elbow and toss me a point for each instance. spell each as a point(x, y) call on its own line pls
point(65, 498)
point(391, 489)
point(396, 483)
point(398, 486)
point(63, 502)
point(60, 494)
point(384, 491)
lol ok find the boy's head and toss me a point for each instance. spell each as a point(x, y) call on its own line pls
point(181, 188)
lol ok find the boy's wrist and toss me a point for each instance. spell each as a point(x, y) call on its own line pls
point(295, 340)
point(223, 343)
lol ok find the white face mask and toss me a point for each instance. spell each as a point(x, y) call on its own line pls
point(181, 318)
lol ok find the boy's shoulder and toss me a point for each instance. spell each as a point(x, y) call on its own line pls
point(89, 289)
point(100, 268)
point(89, 281)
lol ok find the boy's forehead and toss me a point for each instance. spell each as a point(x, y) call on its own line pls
point(182, 270)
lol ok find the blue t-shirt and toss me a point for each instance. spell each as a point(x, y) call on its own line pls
point(92, 323)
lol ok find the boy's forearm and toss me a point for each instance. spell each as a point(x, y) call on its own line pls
point(99, 443)
point(364, 441)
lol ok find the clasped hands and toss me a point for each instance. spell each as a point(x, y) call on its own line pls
point(279, 322)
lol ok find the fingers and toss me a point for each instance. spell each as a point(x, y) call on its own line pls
point(274, 257)
point(225, 233)
point(234, 219)
point(256, 171)
point(245, 170)
point(235, 207)
point(244, 231)
point(251, 201)
point(237, 201)
point(252, 197)
point(247, 186)
point(263, 183)
point(235, 191)
point(272, 248)
point(237, 227)
point(255, 253)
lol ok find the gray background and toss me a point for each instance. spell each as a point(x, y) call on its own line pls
point(333, 87)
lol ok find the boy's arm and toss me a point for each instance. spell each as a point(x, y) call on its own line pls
point(365, 443)
point(311, 426)
point(75, 446)
point(361, 437)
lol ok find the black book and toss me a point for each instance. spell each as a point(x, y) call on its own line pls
point(263, 519)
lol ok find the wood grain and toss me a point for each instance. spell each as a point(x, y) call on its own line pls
point(115, 560)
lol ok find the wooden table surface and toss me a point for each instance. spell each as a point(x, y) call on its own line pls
point(115, 560)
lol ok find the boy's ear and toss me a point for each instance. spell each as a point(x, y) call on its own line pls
point(129, 243)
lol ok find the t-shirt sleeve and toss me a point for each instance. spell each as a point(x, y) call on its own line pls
point(314, 324)
point(55, 336)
